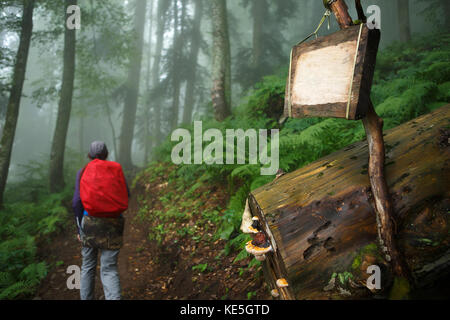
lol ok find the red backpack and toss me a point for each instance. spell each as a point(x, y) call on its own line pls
point(103, 189)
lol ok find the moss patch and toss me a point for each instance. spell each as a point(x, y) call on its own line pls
point(370, 249)
point(400, 289)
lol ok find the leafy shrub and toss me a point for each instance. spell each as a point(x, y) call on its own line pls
point(21, 224)
point(410, 80)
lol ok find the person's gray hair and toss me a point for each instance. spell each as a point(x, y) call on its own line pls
point(98, 150)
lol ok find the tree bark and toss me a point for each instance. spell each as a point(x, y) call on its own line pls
point(56, 176)
point(132, 88)
point(321, 220)
point(258, 9)
point(12, 110)
point(175, 65)
point(147, 88)
point(403, 20)
point(373, 126)
point(446, 8)
point(82, 147)
point(104, 93)
point(192, 63)
point(340, 10)
point(161, 15)
point(221, 61)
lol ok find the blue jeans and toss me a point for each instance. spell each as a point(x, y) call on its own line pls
point(108, 272)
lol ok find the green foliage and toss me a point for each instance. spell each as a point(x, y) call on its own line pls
point(267, 100)
point(251, 294)
point(344, 276)
point(200, 267)
point(400, 289)
point(33, 180)
point(410, 80)
point(370, 249)
point(21, 226)
point(157, 233)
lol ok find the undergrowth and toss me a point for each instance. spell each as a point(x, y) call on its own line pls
point(410, 80)
point(22, 226)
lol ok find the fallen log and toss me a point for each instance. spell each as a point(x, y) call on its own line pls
point(321, 222)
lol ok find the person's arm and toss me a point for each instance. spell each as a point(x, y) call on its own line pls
point(77, 205)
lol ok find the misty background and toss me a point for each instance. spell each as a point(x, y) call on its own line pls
point(104, 49)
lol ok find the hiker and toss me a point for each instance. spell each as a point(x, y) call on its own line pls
point(100, 198)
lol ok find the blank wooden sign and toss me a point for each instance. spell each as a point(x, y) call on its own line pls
point(332, 75)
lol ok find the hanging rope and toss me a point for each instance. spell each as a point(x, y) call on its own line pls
point(314, 33)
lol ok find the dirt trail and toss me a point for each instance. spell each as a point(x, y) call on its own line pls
point(148, 270)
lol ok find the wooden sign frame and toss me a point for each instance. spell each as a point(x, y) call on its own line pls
point(331, 76)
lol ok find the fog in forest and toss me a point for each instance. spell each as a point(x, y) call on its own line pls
point(261, 36)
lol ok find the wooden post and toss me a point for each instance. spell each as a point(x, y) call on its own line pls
point(340, 10)
point(373, 126)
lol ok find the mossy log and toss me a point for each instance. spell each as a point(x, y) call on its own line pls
point(322, 224)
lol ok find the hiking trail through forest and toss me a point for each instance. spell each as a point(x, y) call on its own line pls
point(149, 270)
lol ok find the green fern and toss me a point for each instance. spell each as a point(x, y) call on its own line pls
point(20, 288)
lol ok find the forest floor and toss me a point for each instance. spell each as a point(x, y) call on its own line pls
point(152, 270)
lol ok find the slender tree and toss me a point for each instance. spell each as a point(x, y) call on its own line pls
point(192, 62)
point(446, 13)
point(259, 12)
point(403, 20)
point(132, 88)
point(12, 110)
point(267, 52)
point(147, 104)
point(434, 9)
point(221, 61)
point(102, 86)
point(64, 108)
point(163, 6)
point(176, 81)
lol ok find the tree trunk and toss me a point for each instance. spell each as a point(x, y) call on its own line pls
point(111, 123)
point(321, 218)
point(147, 105)
point(175, 65)
point(56, 176)
point(103, 89)
point(403, 20)
point(12, 110)
point(161, 15)
point(132, 88)
point(221, 61)
point(192, 63)
point(81, 138)
point(258, 9)
point(445, 13)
